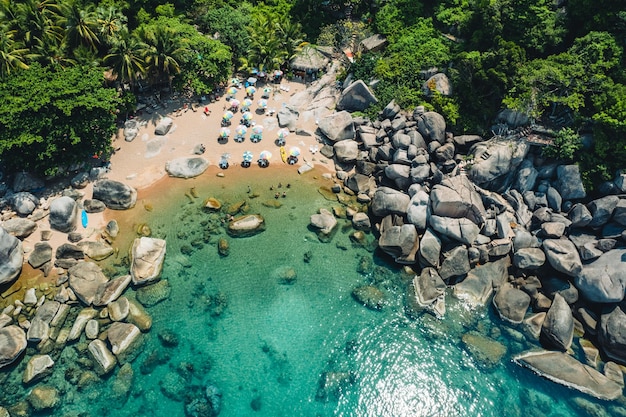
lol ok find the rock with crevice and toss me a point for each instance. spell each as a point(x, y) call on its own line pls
point(147, 257)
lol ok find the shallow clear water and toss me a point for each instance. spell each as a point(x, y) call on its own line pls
point(267, 344)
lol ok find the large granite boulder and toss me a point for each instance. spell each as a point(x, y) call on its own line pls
point(124, 339)
point(462, 230)
point(563, 256)
point(164, 126)
point(324, 221)
point(485, 350)
point(426, 292)
point(25, 181)
point(526, 177)
point(346, 150)
point(511, 303)
point(431, 125)
point(186, 167)
point(417, 212)
point(529, 258)
point(430, 249)
point(39, 366)
point(85, 278)
point(557, 330)
point(247, 225)
point(357, 97)
point(110, 291)
point(11, 257)
point(12, 344)
point(604, 280)
point(96, 250)
point(114, 194)
point(24, 203)
point(400, 242)
point(389, 201)
point(569, 182)
point(612, 333)
point(456, 197)
point(19, 227)
point(601, 210)
point(439, 83)
point(337, 126)
point(478, 286)
point(495, 162)
point(147, 257)
point(105, 361)
point(455, 263)
point(287, 118)
point(41, 253)
point(63, 214)
point(563, 369)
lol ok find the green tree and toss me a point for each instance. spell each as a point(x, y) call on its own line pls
point(125, 58)
point(111, 23)
point(80, 25)
point(164, 50)
point(11, 54)
point(52, 118)
point(228, 24)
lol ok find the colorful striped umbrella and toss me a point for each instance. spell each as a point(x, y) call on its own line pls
point(247, 103)
point(234, 103)
point(250, 90)
point(262, 103)
point(228, 115)
point(247, 116)
point(294, 151)
point(224, 132)
point(241, 130)
point(232, 91)
point(257, 129)
point(282, 133)
point(247, 156)
point(265, 155)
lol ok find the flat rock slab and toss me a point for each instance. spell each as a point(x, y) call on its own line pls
point(565, 370)
point(186, 167)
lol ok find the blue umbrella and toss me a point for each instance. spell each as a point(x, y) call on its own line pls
point(247, 156)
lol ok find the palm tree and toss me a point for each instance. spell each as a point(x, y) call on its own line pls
point(52, 51)
point(265, 50)
point(36, 21)
point(125, 58)
point(163, 52)
point(11, 55)
point(290, 34)
point(111, 22)
point(80, 25)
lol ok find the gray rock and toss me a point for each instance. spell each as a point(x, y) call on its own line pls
point(391, 110)
point(467, 140)
point(557, 330)
point(431, 125)
point(85, 278)
point(604, 280)
point(389, 201)
point(601, 210)
point(512, 118)
point(478, 286)
point(612, 333)
point(96, 250)
point(324, 221)
point(552, 230)
point(110, 291)
point(556, 285)
point(495, 162)
point(461, 230)
point(186, 167)
point(619, 214)
point(445, 152)
point(19, 227)
point(102, 356)
point(361, 221)
point(369, 296)
point(360, 184)
point(529, 258)
point(37, 331)
point(38, 367)
point(526, 177)
point(93, 206)
point(438, 82)
point(337, 126)
point(554, 199)
point(579, 215)
point(357, 97)
point(47, 311)
point(569, 183)
point(346, 150)
point(164, 126)
point(417, 213)
point(63, 214)
point(511, 303)
point(417, 139)
point(400, 242)
point(400, 141)
point(424, 292)
point(69, 251)
point(563, 256)
point(288, 118)
point(12, 344)
point(147, 257)
point(25, 181)
point(563, 369)
point(23, 203)
point(455, 263)
point(114, 194)
point(80, 180)
point(11, 257)
point(124, 339)
point(429, 249)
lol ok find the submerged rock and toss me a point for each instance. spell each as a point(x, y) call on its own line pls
point(153, 294)
point(370, 296)
point(12, 344)
point(148, 255)
point(485, 350)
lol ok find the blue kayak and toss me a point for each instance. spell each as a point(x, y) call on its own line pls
point(83, 218)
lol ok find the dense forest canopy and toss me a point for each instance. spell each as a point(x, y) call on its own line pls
point(559, 61)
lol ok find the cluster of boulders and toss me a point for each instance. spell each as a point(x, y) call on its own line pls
point(496, 222)
point(83, 305)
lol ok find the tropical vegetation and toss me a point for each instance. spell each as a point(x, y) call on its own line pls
point(561, 63)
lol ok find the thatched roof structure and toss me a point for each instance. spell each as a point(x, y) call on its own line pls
point(311, 58)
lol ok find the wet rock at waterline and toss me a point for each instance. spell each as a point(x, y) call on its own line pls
point(148, 255)
point(114, 194)
point(11, 257)
point(186, 167)
point(12, 344)
point(247, 225)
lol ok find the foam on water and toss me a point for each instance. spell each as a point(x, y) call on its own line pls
point(267, 345)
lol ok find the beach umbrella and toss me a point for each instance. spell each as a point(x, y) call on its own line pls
point(241, 130)
point(247, 156)
point(261, 74)
point(224, 161)
point(267, 155)
point(267, 89)
point(247, 116)
point(257, 129)
point(247, 103)
point(228, 115)
point(224, 132)
point(294, 151)
point(262, 103)
point(234, 103)
point(282, 133)
point(278, 73)
point(234, 81)
point(254, 71)
point(232, 91)
point(252, 80)
point(250, 90)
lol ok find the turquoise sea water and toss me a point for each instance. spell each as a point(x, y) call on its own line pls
point(234, 322)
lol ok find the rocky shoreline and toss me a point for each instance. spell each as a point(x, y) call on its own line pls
point(486, 220)
point(491, 221)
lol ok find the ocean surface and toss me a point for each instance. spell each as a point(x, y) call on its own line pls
point(272, 329)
